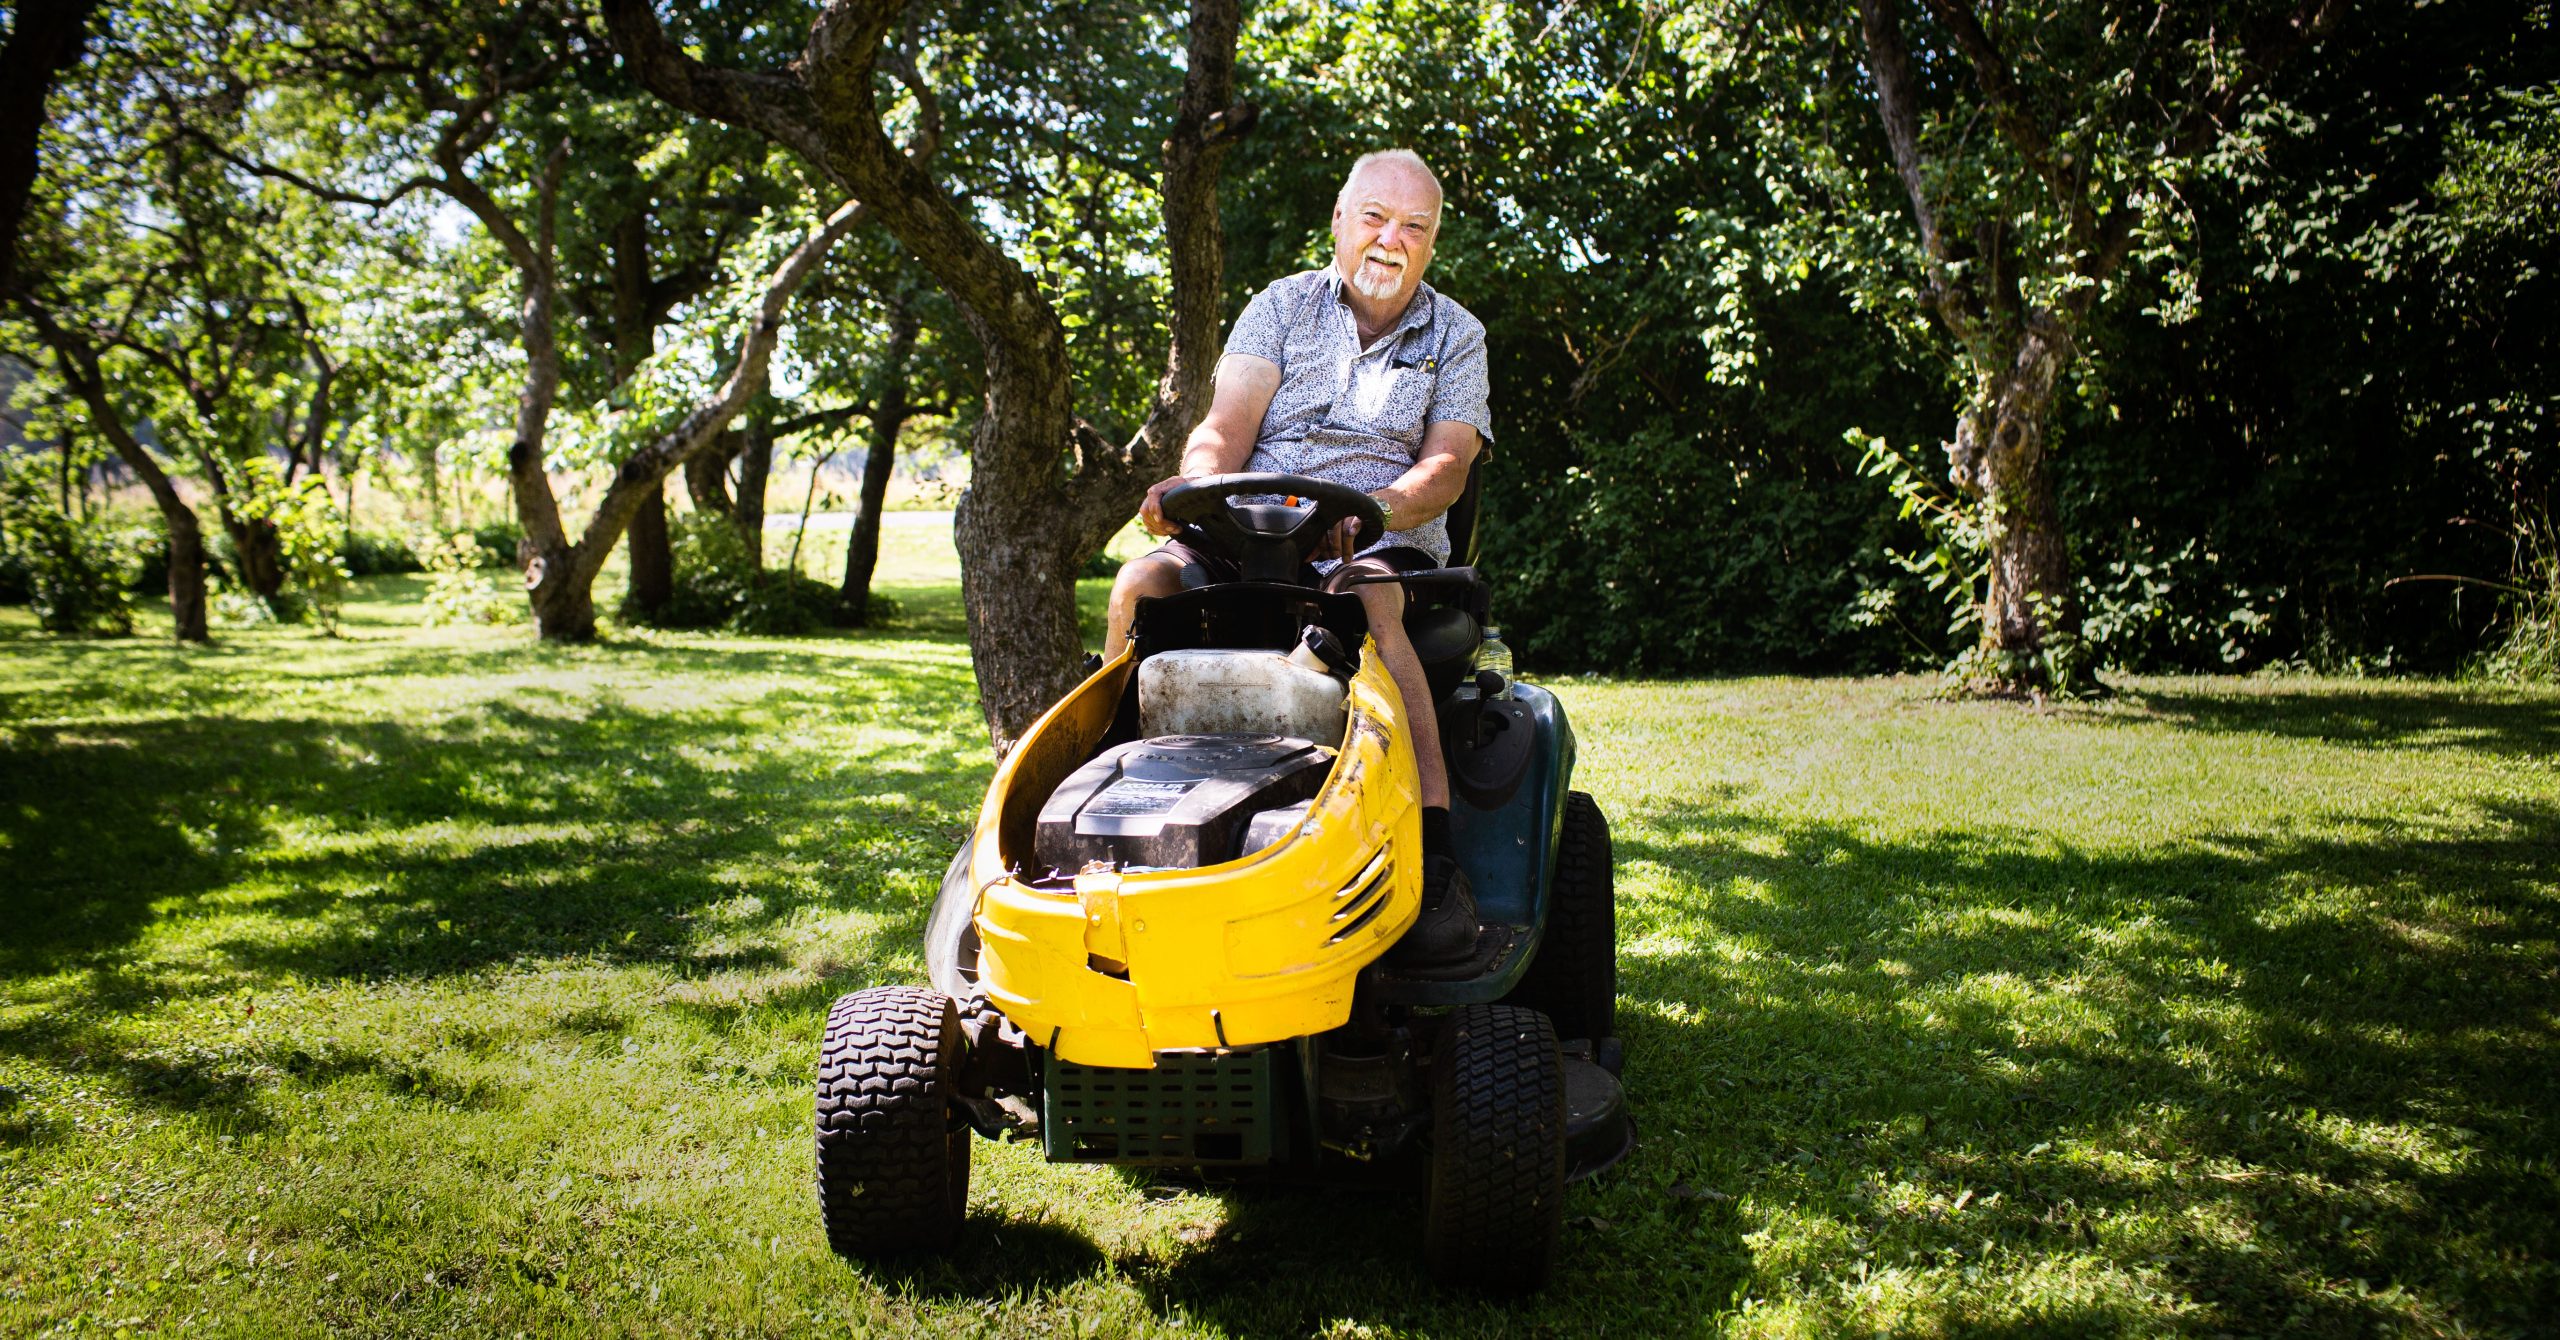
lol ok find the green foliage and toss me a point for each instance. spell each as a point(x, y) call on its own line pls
point(77, 573)
point(309, 531)
point(2528, 650)
point(374, 553)
point(500, 543)
point(719, 584)
point(459, 590)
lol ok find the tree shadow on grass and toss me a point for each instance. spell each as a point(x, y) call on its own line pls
point(2387, 715)
point(540, 826)
point(2260, 1068)
point(994, 1257)
point(1293, 1259)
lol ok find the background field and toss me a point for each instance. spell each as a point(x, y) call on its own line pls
point(428, 982)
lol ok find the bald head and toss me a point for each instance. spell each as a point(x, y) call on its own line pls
point(1402, 164)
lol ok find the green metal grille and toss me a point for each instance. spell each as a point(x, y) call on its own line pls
point(1192, 1109)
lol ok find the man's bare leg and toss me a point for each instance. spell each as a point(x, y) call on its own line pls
point(1147, 576)
point(1443, 937)
point(1384, 602)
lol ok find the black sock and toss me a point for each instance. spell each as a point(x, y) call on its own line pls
point(1435, 832)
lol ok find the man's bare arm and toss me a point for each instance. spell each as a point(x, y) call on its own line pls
point(1438, 477)
point(1223, 442)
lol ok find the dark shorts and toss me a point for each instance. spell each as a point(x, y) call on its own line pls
point(1202, 568)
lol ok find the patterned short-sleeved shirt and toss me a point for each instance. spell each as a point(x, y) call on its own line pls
point(1357, 416)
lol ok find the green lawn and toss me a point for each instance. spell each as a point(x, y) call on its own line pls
point(427, 982)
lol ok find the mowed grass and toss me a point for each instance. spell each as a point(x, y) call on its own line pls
point(429, 982)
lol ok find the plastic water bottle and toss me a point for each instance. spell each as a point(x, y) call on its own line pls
point(1495, 654)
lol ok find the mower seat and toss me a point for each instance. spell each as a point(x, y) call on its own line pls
point(1445, 641)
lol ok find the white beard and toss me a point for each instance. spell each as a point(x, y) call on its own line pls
point(1382, 287)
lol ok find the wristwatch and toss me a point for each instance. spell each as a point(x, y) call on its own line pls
point(1386, 514)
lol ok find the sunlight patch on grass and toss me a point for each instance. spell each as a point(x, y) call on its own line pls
point(354, 989)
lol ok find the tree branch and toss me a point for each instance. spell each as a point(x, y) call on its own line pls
point(815, 419)
point(2266, 51)
point(317, 190)
point(1898, 103)
point(774, 105)
point(648, 467)
point(1207, 122)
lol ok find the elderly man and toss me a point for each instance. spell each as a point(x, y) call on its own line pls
point(1357, 373)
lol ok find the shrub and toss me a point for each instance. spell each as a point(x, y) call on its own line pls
point(501, 541)
point(2530, 651)
point(372, 553)
point(77, 574)
point(459, 589)
point(720, 585)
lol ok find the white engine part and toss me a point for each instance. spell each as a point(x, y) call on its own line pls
point(1217, 692)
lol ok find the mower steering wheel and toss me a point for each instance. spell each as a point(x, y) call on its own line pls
point(1237, 529)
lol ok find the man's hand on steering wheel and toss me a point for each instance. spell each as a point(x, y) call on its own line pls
point(1314, 527)
point(1341, 542)
point(1151, 511)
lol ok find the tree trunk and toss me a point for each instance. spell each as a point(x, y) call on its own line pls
point(79, 364)
point(755, 470)
point(564, 604)
point(706, 474)
point(888, 415)
point(186, 567)
point(2002, 457)
point(635, 336)
point(1045, 490)
point(44, 41)
point(653, 560)
point(261, 553)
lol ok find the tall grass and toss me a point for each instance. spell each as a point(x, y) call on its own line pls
point(2529, 651)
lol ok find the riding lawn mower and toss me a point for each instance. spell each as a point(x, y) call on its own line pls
point(1166, 943)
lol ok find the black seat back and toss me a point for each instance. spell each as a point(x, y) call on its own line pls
point(1462, 514)
point(1445, 624)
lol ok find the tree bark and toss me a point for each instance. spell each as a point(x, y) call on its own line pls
point(45, 40)
point(2001, 457)
point(755, 471)
point(1028, 520)
point(260, 552)
point(889, 411)
point(635, 336)
point(706, 473)
point(79, 365)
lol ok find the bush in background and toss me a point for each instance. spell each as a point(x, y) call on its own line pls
point(77, 574)
point(502, 541)
point(374, 553)
point(459, 589)
point(719, 584)
point(2530, 650)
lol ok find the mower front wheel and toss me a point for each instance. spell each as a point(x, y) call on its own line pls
point(1497, 1150)
point(893, 1167)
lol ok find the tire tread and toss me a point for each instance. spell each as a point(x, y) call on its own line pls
point(892, 1171)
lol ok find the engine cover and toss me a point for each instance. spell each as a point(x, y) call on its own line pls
point(1175, 801)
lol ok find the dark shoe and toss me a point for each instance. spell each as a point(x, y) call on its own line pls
point(1092, 663)
point(1445, 933)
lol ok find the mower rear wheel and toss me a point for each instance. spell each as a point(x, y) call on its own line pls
point(1574, 979)
point(1497, 1150)
point(893, 1167)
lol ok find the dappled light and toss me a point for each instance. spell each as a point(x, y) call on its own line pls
point(488, 978)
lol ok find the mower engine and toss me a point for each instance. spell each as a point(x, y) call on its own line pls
point(1177, 801)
